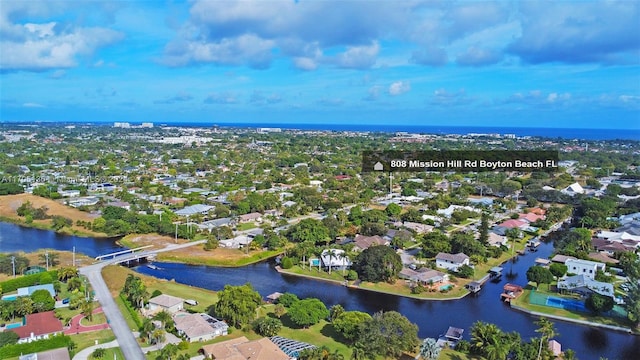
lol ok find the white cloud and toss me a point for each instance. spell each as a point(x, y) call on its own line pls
point(399, 87)
point(32, 105)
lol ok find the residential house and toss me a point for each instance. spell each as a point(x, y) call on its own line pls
point(610, 247)
point(237, 242)
point(418, 227)
point(254, 216)
point(584, 267)
point(573, 189)
point(585, 285)
point(55, 354)
point(531, 217)
point(423, 276)
point(451, 262)
point(38, 326)
point(363, 242)
point(164, 302)
point(513, 224)
point(195, 209)
point(69, 193)
point(243, 349)
point(497, 240)
point(335, 258)
point(199, 327)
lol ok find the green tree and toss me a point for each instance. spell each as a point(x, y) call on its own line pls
point(42, 301)
point(335, 311)
point(267, 326)
point(434, 243)
point(599, 303)
point(309, 230)
point(378, 263)
point(393, 210)
point(483, 229)
point(98, 353)
point(237, 304)
point(8, 337)
point(465, 271)
point(288, 299)
point(348, 324)
point(558, 270)
point(539, 275)
point(308, 312)
point(388, 334)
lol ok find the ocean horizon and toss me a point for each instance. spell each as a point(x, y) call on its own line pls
point(542, 132)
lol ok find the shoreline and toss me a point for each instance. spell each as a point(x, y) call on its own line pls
point(77, 233)
point(575, 321)
point(351, 286)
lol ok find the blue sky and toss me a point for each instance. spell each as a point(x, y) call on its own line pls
point(572, 64)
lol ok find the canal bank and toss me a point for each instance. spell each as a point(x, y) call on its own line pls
point(432, 317)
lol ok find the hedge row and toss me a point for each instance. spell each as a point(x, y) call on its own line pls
point(47, 277)
point(132, 311)
point(15, 350)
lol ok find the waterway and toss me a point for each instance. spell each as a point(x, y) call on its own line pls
point(432, 317)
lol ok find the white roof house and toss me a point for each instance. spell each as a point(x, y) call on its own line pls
point(451, 261)
point(196, 327)
point(194, 209)
point(584, 267)
point(573, 189)
point(584, 284)
point(167, 303)
point(335, 258)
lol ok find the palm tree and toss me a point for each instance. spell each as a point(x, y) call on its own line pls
point(98, 353)
point(164, 317)
point(168, 352)
point(24, 306)
point(87, 309)
point(332, 255)
point(158, 336)
point(66, 273)
point(547, 332)
point(569, 355)
point(146, 329)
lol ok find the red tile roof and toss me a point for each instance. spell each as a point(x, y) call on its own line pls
point(39, 324)
point(512, 223)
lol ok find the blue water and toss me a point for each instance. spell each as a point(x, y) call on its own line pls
point(314, 262)
point(445, 287)
point(13, 326)
point(10, 297)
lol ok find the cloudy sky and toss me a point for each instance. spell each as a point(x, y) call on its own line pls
point(539, 63)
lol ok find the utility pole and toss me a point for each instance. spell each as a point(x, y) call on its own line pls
point(74, 256)
point(46, 255)
point(13, 264)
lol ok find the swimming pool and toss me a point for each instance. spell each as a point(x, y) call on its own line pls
point(13, 326)
point(10, 297)
point(446, 287)
point(567, 304)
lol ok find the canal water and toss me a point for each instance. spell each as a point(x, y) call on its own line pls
point(432, 317)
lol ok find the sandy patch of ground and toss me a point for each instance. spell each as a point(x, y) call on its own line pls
point(10, 203)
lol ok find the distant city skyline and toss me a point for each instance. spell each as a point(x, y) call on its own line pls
point(561, 64)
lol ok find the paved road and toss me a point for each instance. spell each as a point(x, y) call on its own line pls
point(124, 336)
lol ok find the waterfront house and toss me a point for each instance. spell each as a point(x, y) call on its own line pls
point(451, 262)
point(497, 240)
point(584, 267)
point(38, 326)
point(584, 285)
point(573, 189)
point(164, 302)
point(423, 276)
point(55, 354)
point(199, 327)
point(335, 258)
point(243, 349)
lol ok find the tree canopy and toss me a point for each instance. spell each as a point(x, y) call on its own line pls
point(308, 312)
point(378, 263)
point(237, 304)
point(387, 334)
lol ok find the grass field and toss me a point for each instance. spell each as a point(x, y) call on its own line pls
point(96, 319)
point(9, 204)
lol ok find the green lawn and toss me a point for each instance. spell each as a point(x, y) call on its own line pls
point(96, 320)
point(246, 226)
point(313, 271)
point(85, 340)
point(204, 297)
point(449, 354)
point(221, 262)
